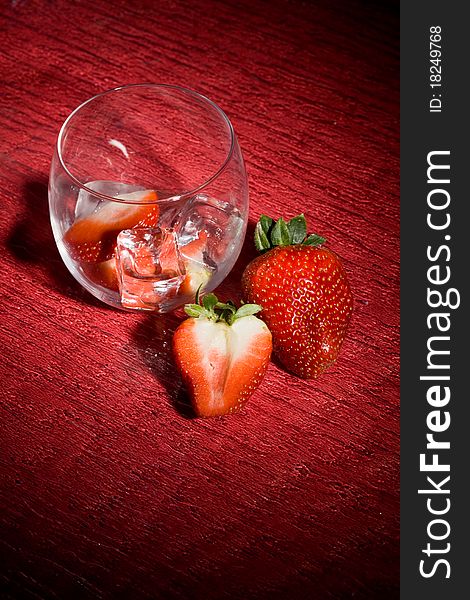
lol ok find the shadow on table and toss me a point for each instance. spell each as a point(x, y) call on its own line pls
point(153, 335)
point(32, 243)
point(230, 288)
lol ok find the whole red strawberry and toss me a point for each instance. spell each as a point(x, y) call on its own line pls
point(304, 291)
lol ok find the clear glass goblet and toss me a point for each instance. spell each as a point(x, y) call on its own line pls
point(148, 196)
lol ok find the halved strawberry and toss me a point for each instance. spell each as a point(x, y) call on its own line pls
point(222, 353)
point(92, 239)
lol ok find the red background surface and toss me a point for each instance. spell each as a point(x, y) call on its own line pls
point(108, 488)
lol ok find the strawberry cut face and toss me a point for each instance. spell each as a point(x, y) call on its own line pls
point(92, 239)
point(222, 354)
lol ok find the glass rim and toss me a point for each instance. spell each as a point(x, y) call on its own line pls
point(178, 88)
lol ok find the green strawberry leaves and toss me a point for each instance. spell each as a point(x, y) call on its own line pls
point(247, 310)
point(280, 235)
point(263, 233)
point(270, 233)
point(297, 229)
point(211, 308)
point(194, 310)
point(314, 240)
point(209, 301)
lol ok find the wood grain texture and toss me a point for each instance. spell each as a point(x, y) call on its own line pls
point(108, 488)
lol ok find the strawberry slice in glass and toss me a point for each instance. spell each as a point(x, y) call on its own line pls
point(198, 270)
point(92, 238)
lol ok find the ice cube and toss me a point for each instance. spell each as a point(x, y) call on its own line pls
point(221, 221)
point(150, 267)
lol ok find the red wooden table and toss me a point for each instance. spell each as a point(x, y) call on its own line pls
point(108, 488)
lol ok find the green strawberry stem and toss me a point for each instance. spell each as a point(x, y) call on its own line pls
point(209, 307)
point(270, 233)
